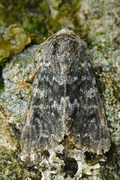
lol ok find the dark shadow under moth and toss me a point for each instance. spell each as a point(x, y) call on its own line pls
point(65, 103)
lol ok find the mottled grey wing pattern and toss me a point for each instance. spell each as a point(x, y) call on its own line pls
point(65, 100)
point(86, 119)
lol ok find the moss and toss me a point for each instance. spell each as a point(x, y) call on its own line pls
point(29, 14)
point(39, 17)
point(11, 167)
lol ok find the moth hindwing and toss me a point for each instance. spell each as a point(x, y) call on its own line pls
point(65, 101)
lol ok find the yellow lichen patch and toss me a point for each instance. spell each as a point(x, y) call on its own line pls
point(4, 49)
point(16, 35)
point(13, 41)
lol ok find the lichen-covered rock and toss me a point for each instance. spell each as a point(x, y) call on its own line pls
point(97, 22)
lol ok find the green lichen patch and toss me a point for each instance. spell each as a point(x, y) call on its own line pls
point(112, 107)
point(18, 38)
point(14, 41)
point(4, 49)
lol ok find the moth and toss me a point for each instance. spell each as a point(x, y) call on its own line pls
point(65, 102)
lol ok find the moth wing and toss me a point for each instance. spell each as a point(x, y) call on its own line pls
point(44, 126)
point(86, 118)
